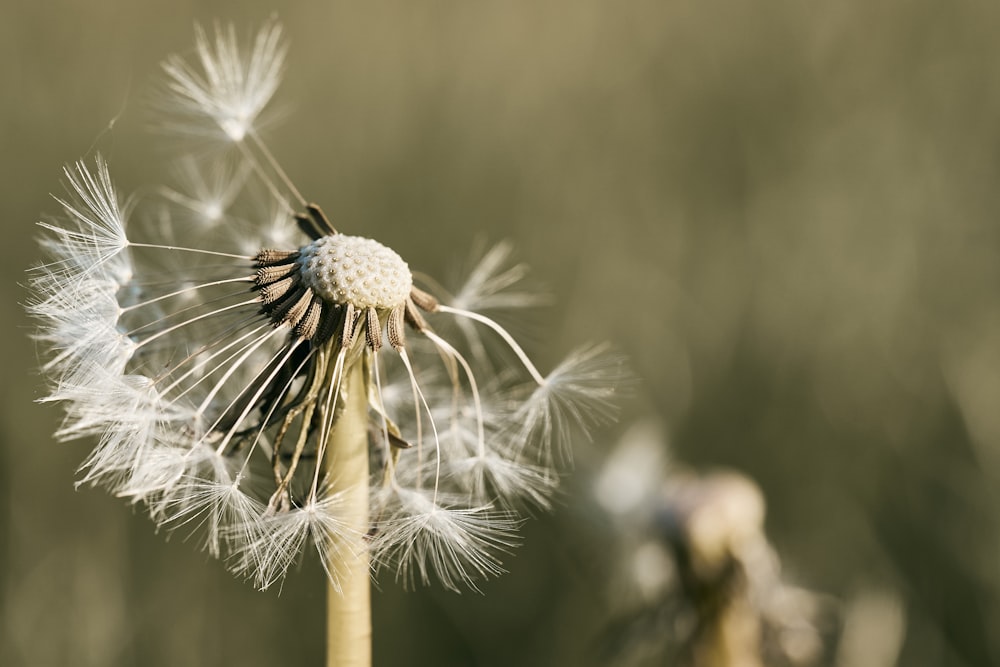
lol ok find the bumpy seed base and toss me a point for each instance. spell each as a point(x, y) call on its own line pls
point(355, 270)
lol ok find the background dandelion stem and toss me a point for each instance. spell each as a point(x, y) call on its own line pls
point(349, 628)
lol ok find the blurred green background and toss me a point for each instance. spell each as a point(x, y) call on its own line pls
point(786, 213)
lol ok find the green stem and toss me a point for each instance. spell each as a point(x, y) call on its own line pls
point(349, 626)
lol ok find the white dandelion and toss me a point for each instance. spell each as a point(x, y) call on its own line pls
point(273, 383)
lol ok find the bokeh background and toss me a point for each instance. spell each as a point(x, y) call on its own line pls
point(786, 213)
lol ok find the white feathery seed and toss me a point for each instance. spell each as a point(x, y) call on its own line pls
point(229, 87)
point(206, 188)
point(458, 544)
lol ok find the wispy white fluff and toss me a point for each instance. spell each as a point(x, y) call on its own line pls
point(507, 482)
point(158, 477)
point(423, 538)
point(89, 239)
point(495, 286)
point(206, 189)
point(276, 540)
point(132, 411)
point(223, 513)
point(497, 282)
point(574, 398)
point(230, 84)
point(79, 322)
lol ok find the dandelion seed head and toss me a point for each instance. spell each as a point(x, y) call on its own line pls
point(236, 353)
point(355, 270)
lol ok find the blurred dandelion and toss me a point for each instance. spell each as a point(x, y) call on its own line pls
point(270, 396)
point(698, 583)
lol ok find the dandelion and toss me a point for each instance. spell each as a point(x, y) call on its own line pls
point(275, 396)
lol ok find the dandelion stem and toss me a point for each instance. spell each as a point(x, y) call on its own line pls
point(349, 629)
